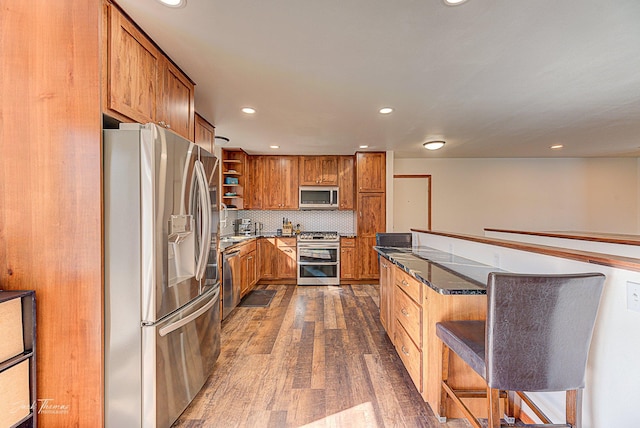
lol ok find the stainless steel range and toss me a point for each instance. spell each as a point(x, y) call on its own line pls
point(318, 258)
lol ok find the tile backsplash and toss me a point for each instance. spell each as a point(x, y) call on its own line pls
point(314, 220)
point(227, 229)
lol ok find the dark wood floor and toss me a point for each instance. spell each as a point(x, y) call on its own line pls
point(316, 357)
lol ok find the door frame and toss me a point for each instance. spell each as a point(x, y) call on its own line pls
point(428, 177)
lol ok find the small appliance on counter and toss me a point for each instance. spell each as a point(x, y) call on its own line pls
point(287, 227)
point(257, 227)
point(243, 226)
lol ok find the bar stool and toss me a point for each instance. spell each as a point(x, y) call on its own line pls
point(536, 338)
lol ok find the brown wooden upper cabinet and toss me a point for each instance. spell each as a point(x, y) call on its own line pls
point(318, 170)
point(371, 171)
point(176, 101)
point(253, 183)
point(142, 84)
point(279, 178)
point(346, 182)
point(204, 133)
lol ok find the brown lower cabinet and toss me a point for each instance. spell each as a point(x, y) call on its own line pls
point(277, 258)
point(416, 308)
point(348, 259)
point(248, 267)
point(367, 258)
point(371, 219)
point(386, 296)
point(408, 322)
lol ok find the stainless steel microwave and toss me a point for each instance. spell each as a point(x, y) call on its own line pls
point(318, 198)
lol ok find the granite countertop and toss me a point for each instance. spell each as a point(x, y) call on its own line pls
point(443, 272)
point(228, 242)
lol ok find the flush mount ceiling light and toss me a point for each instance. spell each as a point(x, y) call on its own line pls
point(174, 3)
point(364, 146)
point(248, 110)
point(385, 110)
point(433, 145)
point(453, 2)
point(274, 147)
point(556, 146)
point(220, 140)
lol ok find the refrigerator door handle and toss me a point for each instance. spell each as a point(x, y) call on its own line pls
point(205, 202)
point(163, 331)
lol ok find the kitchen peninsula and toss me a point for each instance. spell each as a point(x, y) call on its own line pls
point(418, 288)
point(447, 268)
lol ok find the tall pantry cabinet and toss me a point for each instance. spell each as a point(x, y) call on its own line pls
point(371, 210)
point(51, 105)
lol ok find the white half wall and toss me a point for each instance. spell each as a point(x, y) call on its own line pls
point(592, 194)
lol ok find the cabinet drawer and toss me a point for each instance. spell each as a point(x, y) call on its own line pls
point(347, 242)
point(286, 242)
point(409, 314)
point(409, 354)
point(409, 285)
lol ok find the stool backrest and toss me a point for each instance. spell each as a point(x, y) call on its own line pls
point(539, 329)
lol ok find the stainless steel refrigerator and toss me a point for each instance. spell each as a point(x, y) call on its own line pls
point(162, 291)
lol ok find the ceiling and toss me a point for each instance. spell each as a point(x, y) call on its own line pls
point(493, 78)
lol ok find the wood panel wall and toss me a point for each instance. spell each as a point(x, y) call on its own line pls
point(50, 195)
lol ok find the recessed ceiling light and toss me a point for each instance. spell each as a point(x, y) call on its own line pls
point(364, 146)
point(385, 110)
point(274, 147)
point(556, 146)
point(453, 2)
point(433, 145)
point(174, 3)
point(248, 110)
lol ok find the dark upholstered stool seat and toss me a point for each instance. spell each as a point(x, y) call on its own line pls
point(465, 338)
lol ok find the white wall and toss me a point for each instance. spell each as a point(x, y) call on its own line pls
point(595, 194)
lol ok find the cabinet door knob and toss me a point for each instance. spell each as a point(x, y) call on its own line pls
point(404, 350)
point(404, 312)
point(404, 282)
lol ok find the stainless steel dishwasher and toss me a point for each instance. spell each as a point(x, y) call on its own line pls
point(230, 281)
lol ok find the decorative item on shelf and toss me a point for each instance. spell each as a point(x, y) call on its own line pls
point(231, 171)
point(230, 180)
point(230, 194)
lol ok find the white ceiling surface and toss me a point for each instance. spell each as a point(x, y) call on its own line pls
point(494, 78)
